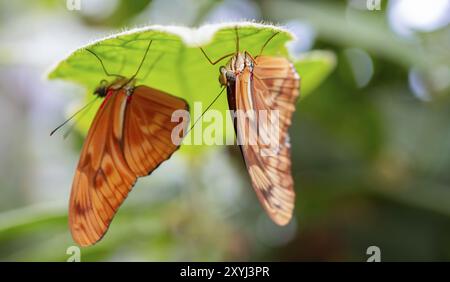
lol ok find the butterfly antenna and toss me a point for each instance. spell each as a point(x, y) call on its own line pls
point(195, 122)
point(72, 116)
point(267, 42)
point(103, 66)
point(142, 61)
point(80, 117)
point(153, 66)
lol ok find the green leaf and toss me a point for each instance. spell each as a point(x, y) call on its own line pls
point(313, 67)
point(180, 67)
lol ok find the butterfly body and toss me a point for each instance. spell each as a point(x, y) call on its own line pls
point(228, 73)
point(130, 136)
point(269, 84)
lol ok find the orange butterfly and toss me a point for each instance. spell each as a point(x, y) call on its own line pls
point(270, 84)
point(129, 137)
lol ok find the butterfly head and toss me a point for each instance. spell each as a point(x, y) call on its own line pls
point(226, 76)
point(235, 66)
point(102, 89)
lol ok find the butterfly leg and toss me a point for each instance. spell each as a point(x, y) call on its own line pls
point(216, 61)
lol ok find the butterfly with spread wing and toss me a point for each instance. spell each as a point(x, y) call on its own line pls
point(263, 83)
point(130, 136)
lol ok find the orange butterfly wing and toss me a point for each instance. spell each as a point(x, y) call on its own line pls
point(148, 129)
point(113, 157)
point(273, 85)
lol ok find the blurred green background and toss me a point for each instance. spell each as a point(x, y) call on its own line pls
point(370, 145)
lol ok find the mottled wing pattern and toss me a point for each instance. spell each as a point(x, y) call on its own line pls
point(112, 157)
point(148, 128)
point(102, 179)
point(273, 85)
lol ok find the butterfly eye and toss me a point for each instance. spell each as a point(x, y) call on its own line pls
point(100, 91)
point(223, 76)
